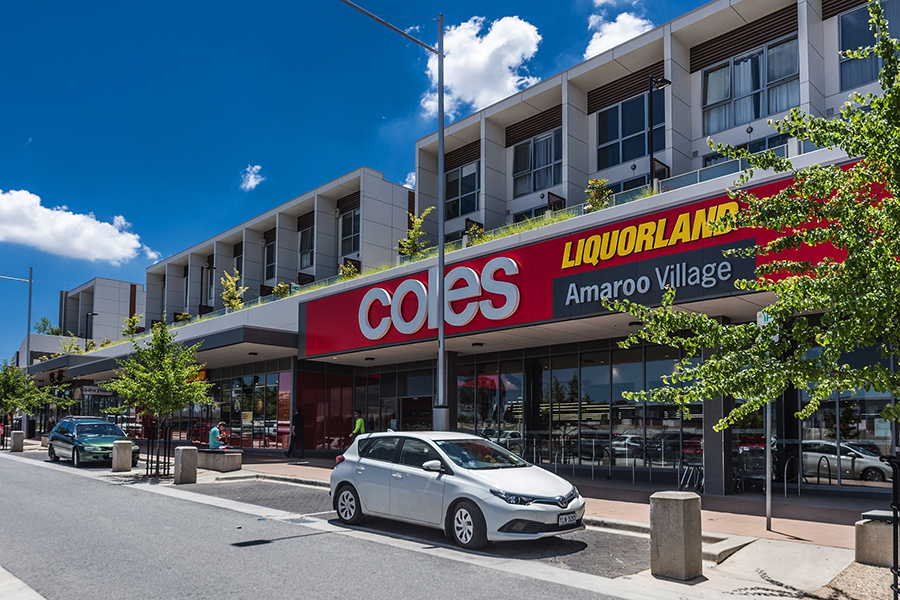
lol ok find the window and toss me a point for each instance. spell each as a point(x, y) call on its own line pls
point(416, 453)
point(463, 186)
point(855, 33)
point(350, 232)
point(754, 84)
point(622, 132)
point(755, 146)
point(210, 286)
point(186, 293)
point(537, 163)
point(238, 267)
point(529, 214)
point(306, 247)
point(383, 448)
point(270, 260)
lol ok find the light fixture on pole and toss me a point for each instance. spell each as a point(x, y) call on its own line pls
point(442, 409)
point(30, 282)
point(656, 83)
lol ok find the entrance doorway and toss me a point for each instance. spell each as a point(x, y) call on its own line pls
point(400, 414)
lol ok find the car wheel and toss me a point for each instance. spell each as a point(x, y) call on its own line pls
point(469, 530)
point(873, 475)
point(348, 508)
point(134, 462)
point(76, 458)
point(52, 454)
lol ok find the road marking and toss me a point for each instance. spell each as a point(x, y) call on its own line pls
point(13, 588)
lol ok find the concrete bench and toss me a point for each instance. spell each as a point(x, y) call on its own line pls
point(874, 537)
point(219, 460)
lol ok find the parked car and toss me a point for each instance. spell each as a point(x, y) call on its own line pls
point(473, 489)
point(628, 446)
point(81, 440)
point(820, 460)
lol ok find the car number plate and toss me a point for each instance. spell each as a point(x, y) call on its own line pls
point(566, 519)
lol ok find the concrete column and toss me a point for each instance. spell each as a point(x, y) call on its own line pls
point(185, 464)
point(676, 540)
point(18, 441)
point(121, 461)
point(718, 473)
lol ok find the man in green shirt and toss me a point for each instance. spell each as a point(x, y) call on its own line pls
point(359, 426)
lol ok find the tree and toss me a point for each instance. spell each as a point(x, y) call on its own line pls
point(412, 245)
point(130, 328)
point(162, 377)
point(281, 291)
point(826, 307)
point(44, 327)
point(232, 295)
point(597, 195)
point(18, 391)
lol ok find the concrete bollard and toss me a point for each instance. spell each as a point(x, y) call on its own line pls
point(676, 537)
point(45, 440)
point(873, 543)
point(185, 464)
point(121, 461)
point(18, 441)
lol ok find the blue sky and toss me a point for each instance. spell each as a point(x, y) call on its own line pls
point(130, 130)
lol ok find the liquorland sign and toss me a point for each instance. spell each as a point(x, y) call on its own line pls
point(551, 280)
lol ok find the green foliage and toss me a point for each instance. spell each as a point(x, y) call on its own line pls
point(348, 271)
point(44, 327)
point(183, 317)
point(232, 295)
point(475, 234)
point(282, 290)
point(18, 391)
point(161, 377)
point(597, 196)
point(413, 246)
point(824, 308)
point(131, 325)
point(69, 345)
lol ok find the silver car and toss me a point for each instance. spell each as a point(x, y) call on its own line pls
point(473, 489)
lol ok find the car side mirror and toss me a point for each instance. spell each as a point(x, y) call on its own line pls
point(435, 466)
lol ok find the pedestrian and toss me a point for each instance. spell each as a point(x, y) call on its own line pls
point(217, 437)
point(359, 426)
point(297, 422)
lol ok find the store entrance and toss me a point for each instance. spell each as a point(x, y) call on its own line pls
point(411, 413)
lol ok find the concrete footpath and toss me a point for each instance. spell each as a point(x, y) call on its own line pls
point(807, 554)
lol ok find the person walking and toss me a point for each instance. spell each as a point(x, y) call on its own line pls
point(297, 422)
point(359, 426)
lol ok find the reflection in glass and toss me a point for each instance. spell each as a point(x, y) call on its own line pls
point(594, 446)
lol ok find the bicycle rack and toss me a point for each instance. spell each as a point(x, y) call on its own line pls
point(799, 473)
point(818, 469)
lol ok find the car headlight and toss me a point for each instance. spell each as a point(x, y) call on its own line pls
point(97, 449)
point(512, 498)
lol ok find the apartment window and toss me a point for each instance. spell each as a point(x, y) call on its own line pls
point(754, 84)
point(237, 263)
point(537, 163)
point(622, 131)
point(463, 186)
point(186, 295)
point(529, 214)
point(306, 248)
point(855, 33)
point(270, 260)
point(210, 286)
point(760, 145)
point(350, 232)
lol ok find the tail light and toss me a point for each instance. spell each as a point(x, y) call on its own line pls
point(339, 459)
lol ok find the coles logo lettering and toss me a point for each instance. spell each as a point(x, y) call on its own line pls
point(460, 284)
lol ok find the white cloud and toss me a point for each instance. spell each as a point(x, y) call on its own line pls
point(250, 177)
point(23, 220)
point(481, 68)
point(609, 34)
point(410, 180)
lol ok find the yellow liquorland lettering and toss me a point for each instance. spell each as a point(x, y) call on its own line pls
point(645, 233)
point(626, 240)
point(591, 253)
point(609, 244)
point(701, 223)
point(726, 208)
point(661, 241)
point(568, 262)
point(682, 230)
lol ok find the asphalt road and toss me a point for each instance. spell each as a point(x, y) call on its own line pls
point(68, 536)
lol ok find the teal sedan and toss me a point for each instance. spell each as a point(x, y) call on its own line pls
point(84, 440)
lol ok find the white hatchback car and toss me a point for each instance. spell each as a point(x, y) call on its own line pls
point(473, 489)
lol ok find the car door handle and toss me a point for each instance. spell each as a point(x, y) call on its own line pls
point(360, 469)
point(397, 476)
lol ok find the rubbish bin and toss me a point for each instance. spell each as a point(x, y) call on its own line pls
point(30, 429)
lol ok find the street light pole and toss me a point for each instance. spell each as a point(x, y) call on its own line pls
point(30, 282)
point(442, 418)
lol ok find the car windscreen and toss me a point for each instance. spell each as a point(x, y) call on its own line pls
point(479, 454)
point(97, 429)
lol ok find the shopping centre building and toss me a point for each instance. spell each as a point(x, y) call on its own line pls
point(532, 355)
